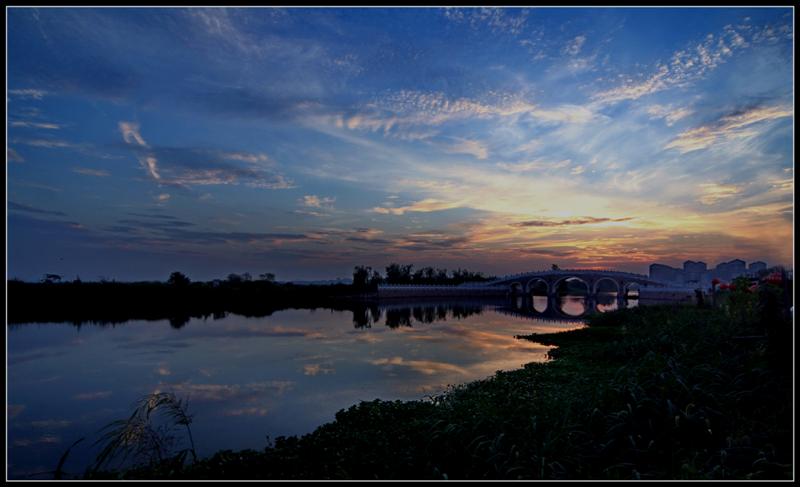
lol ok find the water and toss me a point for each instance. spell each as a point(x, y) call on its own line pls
point(249, 378)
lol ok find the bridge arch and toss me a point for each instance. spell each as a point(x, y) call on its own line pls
point(616, 282)
point(632, 287)
point(557, 284)
point(535, 281)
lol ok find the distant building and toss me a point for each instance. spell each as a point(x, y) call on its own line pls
point(665, 273)
point(728, 271)
point(694, 273)
point(755, 267)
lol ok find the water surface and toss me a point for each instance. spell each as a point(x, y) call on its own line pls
point(252, 378)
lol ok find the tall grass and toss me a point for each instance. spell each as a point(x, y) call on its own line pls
point(147, 436)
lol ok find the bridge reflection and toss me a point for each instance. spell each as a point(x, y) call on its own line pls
point(561, 308)
point(407, 313)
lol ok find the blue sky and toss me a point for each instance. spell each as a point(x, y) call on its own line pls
point(306, 141)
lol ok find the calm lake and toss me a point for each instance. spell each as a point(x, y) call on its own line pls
point(248, 379)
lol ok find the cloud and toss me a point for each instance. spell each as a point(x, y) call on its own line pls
point(315, 369)
point(397, 113)
point(36, 125)
point(91, 172)
point(423, 206)
point(47, 143)
point(498, 20)
point(30, 209)
point(130, 133)
point(573, 47)
point(187, 167)
point(687, 65)
point(669, 113)
point(728, 127)
point(711, 193)
point(314, 201)
point(587, 220)
point(572, 114)
point(472, 147)
point(535, 165)
point(28, 93)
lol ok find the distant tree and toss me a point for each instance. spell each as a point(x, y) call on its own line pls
point(267, 276)
point(178, 279)
point(555, 267)
point(361, 276)
point(234, 278)
point(51, 278)
point(247, 277)
point(399, 274)
point(375, 279)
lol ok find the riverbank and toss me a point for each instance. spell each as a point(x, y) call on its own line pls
point(660, 392)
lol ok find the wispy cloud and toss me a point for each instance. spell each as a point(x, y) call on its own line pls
point(187, 167)
point(577, 221)
point(30, 209)
point(712, 193)
point(314, 201)
point(36, 125)
point(30, 93)
point(733, 126)
point(669, 113)
point(535, 165)
point(474, 148)
point(423, 206)
point(316, 369)
point(101, 173)
point(497, 20)
point(689, 64)
point(573, 47)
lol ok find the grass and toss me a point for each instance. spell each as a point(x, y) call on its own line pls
point(660, 392)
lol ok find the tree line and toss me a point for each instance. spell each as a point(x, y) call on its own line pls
point(367, 278)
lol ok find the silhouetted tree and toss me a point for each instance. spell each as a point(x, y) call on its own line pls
point(178, 279)
point(399, 274)
point(267, 276)
point(51, 278)
point(361, 277)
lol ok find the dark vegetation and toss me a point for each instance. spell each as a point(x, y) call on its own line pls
point(365, 277)
point(179, 299)
point(662, 392)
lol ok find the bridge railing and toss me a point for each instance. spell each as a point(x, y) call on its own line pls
point(533, 274)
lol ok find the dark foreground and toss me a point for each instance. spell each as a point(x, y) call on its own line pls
point(650, 392)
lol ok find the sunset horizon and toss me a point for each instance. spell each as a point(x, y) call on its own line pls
point(307, 141)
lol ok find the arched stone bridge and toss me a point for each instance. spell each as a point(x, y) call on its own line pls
point(524, 283)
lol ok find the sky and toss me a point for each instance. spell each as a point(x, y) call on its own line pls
point(304, 142)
